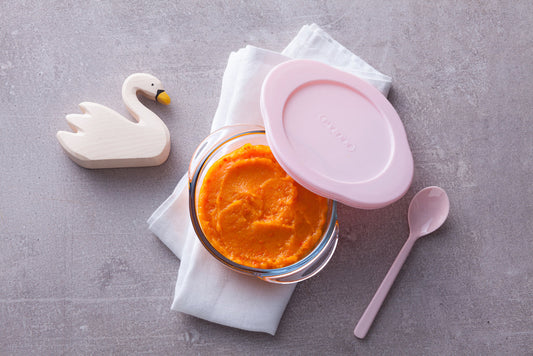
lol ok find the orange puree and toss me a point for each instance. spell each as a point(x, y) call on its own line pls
point(254, 214)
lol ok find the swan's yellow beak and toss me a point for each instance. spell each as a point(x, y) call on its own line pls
point(162, 97)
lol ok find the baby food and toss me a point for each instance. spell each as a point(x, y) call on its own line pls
point(255, 214)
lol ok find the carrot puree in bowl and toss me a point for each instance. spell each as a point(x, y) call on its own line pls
point(255, 214)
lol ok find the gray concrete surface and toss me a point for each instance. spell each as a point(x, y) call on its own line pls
point(81, 274)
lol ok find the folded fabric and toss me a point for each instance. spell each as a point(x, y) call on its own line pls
point(205, 288)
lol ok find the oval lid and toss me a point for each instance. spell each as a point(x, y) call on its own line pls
point(336, 134)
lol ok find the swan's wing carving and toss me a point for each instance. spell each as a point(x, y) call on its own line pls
point(76, 121)
point(95, 117)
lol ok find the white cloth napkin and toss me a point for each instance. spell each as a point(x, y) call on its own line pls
point(205, 288)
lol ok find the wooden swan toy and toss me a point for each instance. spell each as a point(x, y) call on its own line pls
point(103, 138)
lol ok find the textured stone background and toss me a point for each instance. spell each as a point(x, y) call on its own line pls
point(81, 274)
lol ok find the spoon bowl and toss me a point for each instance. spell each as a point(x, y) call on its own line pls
point(427, 212)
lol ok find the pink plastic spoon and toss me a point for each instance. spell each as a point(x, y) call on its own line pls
point(427, 212)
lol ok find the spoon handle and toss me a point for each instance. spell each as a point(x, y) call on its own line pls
point(371, 311)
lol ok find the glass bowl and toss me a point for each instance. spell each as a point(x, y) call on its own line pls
point(224, 141)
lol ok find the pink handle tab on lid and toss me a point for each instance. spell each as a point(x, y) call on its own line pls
point(336, 134)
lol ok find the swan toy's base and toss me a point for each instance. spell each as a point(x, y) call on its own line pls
point(103, 138)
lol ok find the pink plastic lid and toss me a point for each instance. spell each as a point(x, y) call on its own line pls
point(336, 134)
